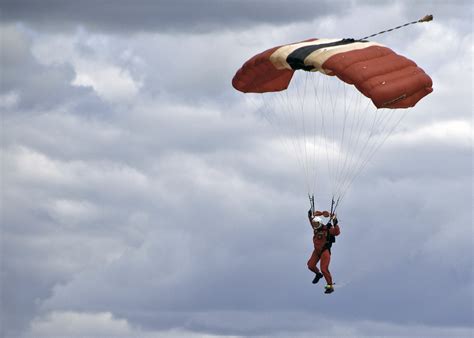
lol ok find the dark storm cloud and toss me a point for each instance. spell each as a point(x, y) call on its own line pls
point(200, 16)
point(147, 15)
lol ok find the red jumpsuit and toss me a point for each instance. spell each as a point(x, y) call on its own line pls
point(320, 253)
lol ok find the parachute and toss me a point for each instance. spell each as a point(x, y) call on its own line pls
point(334, 102)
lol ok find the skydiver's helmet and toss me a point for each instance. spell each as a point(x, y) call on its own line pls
point(317, 222)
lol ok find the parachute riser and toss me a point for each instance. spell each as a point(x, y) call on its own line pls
point(426, 18)
point(311, 202)
point(334, 204)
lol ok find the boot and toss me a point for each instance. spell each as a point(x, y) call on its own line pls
point(329, 289)
point(318, 276)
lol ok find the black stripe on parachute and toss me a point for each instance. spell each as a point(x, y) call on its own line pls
point(297, 57)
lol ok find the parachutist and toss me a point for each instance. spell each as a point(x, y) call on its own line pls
point(343, 72)
point(323, 237)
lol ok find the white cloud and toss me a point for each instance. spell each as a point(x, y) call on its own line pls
point(9, 100)
point(31, 165)
point(111, 83)
point(452, 132)
point(67, 211)
point(94, 63)
point(296, 324)
point(25, 164)
point(71, 324)
point(103, 324)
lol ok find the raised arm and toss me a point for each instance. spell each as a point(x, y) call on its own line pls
point(310, 217)
point(335, 230)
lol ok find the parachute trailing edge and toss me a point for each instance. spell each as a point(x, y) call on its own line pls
point(388, 79)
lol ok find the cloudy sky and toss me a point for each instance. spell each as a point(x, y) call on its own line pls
point(143, 196)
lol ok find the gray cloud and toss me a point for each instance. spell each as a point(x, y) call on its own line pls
point(189, 16)
point(165, 15)
point(152, 201)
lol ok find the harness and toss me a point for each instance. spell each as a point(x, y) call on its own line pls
point(329, 239)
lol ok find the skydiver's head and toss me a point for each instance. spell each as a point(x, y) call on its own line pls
point(317, 222)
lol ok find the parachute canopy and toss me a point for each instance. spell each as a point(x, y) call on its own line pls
point(336, 113)
point(388, 79)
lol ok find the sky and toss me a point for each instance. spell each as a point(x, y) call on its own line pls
point(141, 195)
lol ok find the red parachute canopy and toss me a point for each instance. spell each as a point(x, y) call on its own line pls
point(388, 79)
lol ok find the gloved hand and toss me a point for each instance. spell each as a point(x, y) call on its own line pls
point(310, 213)
point(334, 220)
